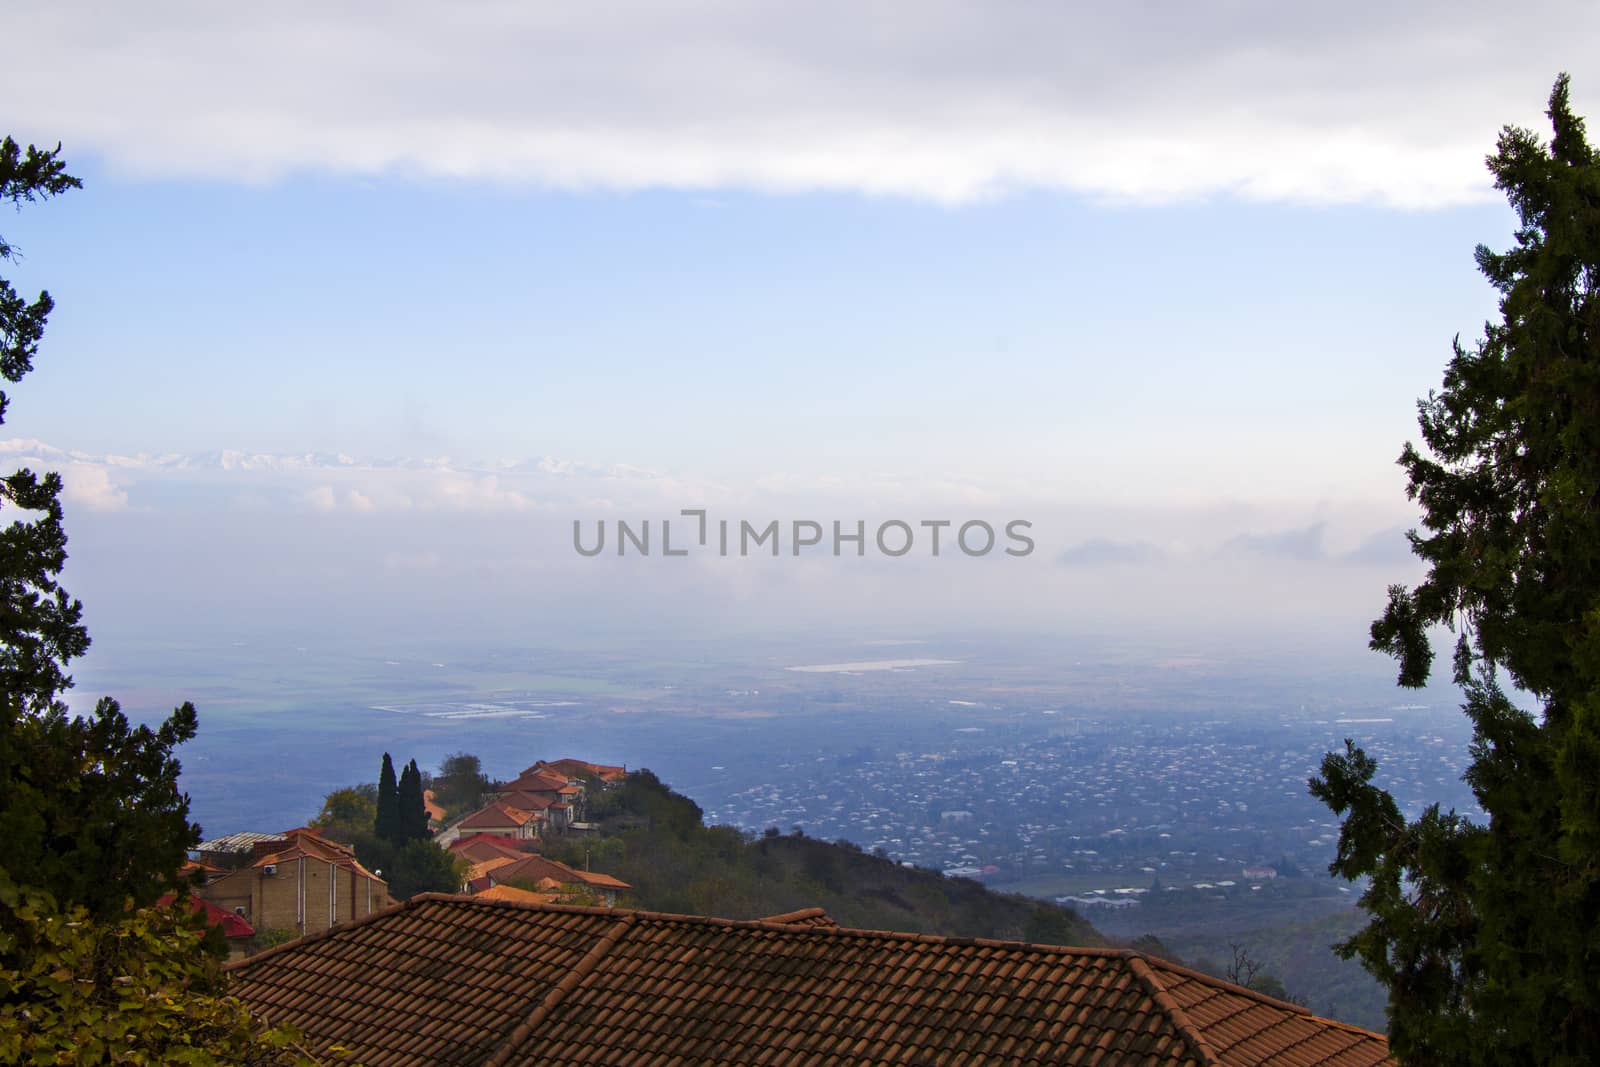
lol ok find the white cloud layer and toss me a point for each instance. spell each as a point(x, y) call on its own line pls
point(1388, 103)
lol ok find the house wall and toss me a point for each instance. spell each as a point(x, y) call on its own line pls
point(273, 902)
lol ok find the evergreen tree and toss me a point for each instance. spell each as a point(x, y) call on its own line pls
point(1485, 933)
point(91, 809)
point(93, 828)
point(387, 823)
point(413, 821)
point(413, 806)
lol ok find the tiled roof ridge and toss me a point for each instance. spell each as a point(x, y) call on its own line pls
point(341, 859)
point(570, 981)
point(1238, 989)
point(1096, 952)
point(1174, 1011)
point(791, 917)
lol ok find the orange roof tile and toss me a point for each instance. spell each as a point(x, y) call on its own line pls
point(516, 798)
point(515, 895)
point(803, 917)
point(304, 843)
point(537, 781)
point(496, 814)
point(467, 981)
point(573, 767)
point(532, 868)
point(478, 870)
point(480, 847)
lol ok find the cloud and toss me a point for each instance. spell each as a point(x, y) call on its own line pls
point(1388, 548)
point(91, 487)
point(1100, 552)
point(322, 498)
point(1303, 544)
point(937, 99)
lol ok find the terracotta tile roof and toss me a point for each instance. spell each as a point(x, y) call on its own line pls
point(536, 781)
point(532, 868)
point(803, 917)
point(516, 798)
point(519, 896)
point(480, 847)
point(496, 814)
point(459, 980)
point(479, 870)
point(308, 844)
point(571, 768)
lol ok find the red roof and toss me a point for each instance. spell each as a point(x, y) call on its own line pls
point(460, 980)
point(538, 782)
point(304, 843)
point(496, 814)
point(480, 847)
point(232, 925)
point(574, 767)
point(532, 868)
point(526, 801)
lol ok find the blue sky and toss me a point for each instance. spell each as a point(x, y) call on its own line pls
point(433, 317)
point(1166, 281)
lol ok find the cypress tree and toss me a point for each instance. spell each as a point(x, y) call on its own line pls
point(387, 824)
point(1485, 931)
point(413, 810)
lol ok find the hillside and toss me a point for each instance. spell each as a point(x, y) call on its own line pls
point(655, 839)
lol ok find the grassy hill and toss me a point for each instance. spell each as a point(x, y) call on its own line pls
point(1288, 927)
point(655, 840)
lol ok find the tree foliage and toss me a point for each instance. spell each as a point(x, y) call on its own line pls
point(412, 867)
point(93, 828)
point(460, 784)
point(40, 627)
point(386, 820)
point(412, 824)
point(345, 811)
point(142, 990)
point(92, 809)
point(1485, 934)
point(91, 805)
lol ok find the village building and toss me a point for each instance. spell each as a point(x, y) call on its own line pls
point(536, 870)
point(477, 848)
point(496, 817)
point(297, 881)
point(571, 769)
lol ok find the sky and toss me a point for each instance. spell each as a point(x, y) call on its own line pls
point(361, 307)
